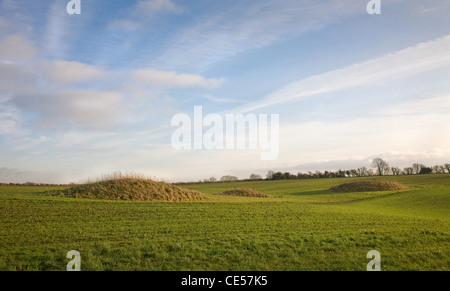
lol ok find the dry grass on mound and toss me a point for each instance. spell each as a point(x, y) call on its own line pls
point(368, 186)
point(133, 189)
point(245, 193)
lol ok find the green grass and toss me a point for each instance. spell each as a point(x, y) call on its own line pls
point(304, 227)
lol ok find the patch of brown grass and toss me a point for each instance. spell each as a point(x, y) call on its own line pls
point(368, 186)
point(133, 189)
point(245, 193)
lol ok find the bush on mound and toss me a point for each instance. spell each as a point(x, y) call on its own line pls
point(368, 186)
point(132, 189)
point(245, 193)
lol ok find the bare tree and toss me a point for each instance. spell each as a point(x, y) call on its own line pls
point(362, 172)
point(438, 169)
point(381, 165)
point(395, 171)
point(447, 167)
point(408, 171)
point(269, 175)
point(418, 168)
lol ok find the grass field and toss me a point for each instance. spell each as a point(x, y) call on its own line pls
point(304, 227)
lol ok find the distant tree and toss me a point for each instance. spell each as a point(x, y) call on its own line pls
point(212, 180)
point(340, 174)
point(228, 178)
point(362, 172)
point(425, 170)
point(318, 174)
point(438, 169)
point(417, 168)
point(395, 171)
point(288, 176)
point(408, 171)
point(302, 176)
point(353, 173)
point(381, 165)
point(255, 177)
point(447, 167)
point(269, 175)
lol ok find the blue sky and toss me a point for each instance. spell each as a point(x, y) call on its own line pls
point(90, 94)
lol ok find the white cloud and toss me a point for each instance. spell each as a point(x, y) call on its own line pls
point(61, 72)
point(222, 100)
point(433, 105)
point(358, 138)
point(88, 109)
point(413, 60)
point(16, 47)
point(173, 79)
point(17, 78)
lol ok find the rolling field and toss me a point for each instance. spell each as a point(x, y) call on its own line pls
point(304, 227)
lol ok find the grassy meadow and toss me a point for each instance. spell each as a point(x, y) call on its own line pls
point(303, 227)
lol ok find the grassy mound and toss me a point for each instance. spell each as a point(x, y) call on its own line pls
point(245, 193)
point(368, 186)
point(132, 189)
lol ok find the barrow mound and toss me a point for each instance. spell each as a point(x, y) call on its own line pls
point(132, 189)
point(368, 186)
point(245, 193)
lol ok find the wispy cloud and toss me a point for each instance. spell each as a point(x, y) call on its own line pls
point(173, 79)
point(9, 118)
point(250, 25)
point(222, 100)
point(153, 6)
point(143, 12)
point(413, 60)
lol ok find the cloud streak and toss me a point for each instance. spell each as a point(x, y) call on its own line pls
point(249, 25)
point(143, 11)
point(401, 64)
point(173, 79)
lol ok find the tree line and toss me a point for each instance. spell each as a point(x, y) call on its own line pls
point(380, 168)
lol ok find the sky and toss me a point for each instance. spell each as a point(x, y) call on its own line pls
point(85, 95)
